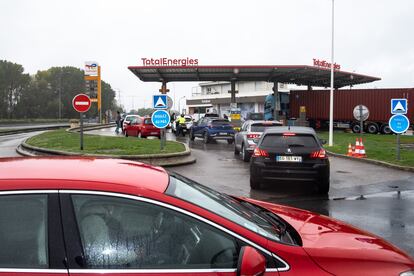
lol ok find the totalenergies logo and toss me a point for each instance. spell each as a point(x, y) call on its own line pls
point(325, 64)
point(91, 68)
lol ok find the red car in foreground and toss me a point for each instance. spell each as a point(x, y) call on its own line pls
point(141, 127)
point(85, 216)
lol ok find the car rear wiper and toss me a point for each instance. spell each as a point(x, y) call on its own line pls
point(296, 145)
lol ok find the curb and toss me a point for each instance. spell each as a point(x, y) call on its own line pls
point(372, 161)
point(24, 130)
point(165, 160)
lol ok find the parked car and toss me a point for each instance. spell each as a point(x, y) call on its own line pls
point(245, 140)
point(185, 127)
point(212, 128)
point(138, 219)
point(127, 120)
point(290, 153)
point(141, 127)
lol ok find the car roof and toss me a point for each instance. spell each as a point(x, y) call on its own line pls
point(293, 129)
point(106, 174)
point(263, 121)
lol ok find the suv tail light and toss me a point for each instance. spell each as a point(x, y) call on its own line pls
point(253, 136)
point(258, 152)
point(210, 126)
point(320, 154)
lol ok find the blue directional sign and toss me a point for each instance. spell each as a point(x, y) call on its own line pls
point(160, 118)
point(159, 102)
point(399, 123)
point(398, 106)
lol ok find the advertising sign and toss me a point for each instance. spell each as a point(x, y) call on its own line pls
point(91, 68)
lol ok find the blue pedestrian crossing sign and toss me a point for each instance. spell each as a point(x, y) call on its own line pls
point(160, 118)
point(159, 102)
point(398, 106)
point(399, 123)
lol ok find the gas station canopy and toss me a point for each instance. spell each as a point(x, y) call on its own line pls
point(291, 74)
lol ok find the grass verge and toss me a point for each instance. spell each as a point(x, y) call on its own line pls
point(378, 147)
point(95, 144)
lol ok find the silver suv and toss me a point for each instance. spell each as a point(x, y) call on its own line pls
point(247, 138)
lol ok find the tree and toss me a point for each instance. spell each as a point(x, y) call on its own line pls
point(12, 82)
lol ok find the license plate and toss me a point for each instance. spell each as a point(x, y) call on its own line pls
point(154, 133)
point(297, 159)
point(223, 133)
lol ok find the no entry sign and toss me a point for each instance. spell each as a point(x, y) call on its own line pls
point(81, 103)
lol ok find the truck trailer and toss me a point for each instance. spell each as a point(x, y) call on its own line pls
point(378, 102)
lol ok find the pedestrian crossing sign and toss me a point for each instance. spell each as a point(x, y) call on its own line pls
point(398, 106)
point(159, 101)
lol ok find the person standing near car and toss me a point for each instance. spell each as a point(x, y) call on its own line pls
point(118, 121)
point(179, 125)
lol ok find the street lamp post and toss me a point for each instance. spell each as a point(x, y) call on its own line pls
point(179, 104)
point(331, 96)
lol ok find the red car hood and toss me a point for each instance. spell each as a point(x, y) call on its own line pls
point(337, 246)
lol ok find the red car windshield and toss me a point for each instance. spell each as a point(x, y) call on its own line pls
point(147, 121)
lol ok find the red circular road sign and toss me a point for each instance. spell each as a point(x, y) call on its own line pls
point(81, 103)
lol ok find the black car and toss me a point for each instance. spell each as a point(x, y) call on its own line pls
point(290, 153)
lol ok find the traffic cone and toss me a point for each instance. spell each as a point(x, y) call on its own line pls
point(349, 150)
point(357, 149)
point(362, 153)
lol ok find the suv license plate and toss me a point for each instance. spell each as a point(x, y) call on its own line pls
point(297, 159)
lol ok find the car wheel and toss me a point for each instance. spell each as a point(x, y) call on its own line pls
point(230, 141)
point(386, 129)
point(205, 138)
point(142, 136)
point(372, 128)
point(323, 187)
point(245, 154)
point(254, 183)
point(126, 133)
point(192, 135)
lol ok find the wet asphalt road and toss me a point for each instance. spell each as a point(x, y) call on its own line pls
point(377, 199)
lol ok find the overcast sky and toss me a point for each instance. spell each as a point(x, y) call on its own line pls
point(373, 37)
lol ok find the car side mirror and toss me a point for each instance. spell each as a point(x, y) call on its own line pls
point(128, 123)
point(251, 262)
point(323, 141)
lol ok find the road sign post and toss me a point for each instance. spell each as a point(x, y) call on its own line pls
point(160, 119)
point(399, 124)
point(81, 103)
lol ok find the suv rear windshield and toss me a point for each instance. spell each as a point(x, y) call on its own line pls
point(283, 141)
point(261, 127)
point(220, 122)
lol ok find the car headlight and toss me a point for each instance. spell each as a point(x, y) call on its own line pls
point(408, 273)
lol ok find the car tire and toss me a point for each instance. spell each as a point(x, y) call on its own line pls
point(206, 139)
point(372, 128)
point(230, 141)
point(254, 184)
point(126, 133)
point(192, 135)
point(245, 154)
point(323, 186)
point(142, 136)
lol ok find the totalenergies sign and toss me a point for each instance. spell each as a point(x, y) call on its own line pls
point(169, 61)
point(325, 64)
point(91, 68)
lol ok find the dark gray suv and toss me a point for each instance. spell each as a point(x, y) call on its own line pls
point(290, 153)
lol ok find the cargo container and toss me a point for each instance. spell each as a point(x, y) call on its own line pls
point(378, 102)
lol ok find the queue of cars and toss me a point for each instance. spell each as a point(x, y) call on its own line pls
point(276, 153)
point(144, 220)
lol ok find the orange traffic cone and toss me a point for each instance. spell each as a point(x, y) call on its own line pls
point(349, 150)
point(362, 153)
point(357, 149)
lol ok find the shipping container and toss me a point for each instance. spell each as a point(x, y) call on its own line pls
point(378, 102)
